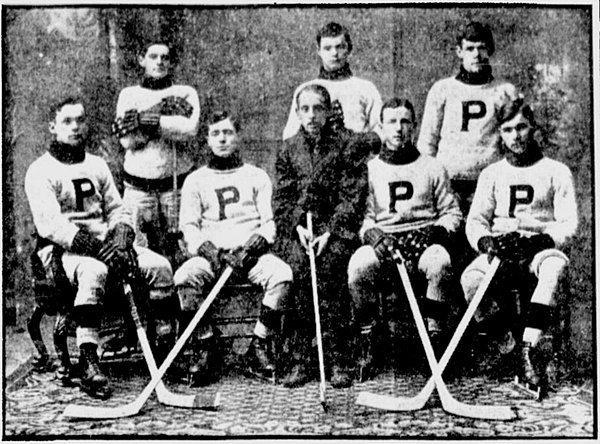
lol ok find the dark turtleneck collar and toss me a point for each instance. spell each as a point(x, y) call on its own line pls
point(67, 153)
point(162, 83)
point(401, 156)
point(475, 78)
point(528, 158)
point(225, 163)
point(339, 74)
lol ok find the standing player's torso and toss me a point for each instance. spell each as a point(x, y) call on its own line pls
point(403, 195)
point(155, 159)
point(469, 133)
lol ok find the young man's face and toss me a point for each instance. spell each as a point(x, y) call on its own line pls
point(474, 55)
point(69, 125)
point(333, 52)
point(222, 138)
point(312, 112)
point(516, 134)
point(156, 62)
point(397, 127)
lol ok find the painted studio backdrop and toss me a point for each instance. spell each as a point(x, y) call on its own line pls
point(252, 58)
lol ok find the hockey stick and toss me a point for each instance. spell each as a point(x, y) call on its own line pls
point(313, 276)
point(164, 395)
point(134, 407)
point(418, 401)
point(449, 403)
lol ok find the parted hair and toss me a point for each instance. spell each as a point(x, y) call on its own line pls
point(396, 102)
point(476, 32)
point(317, 89)
point(514, 107)
point(58, 105)
point(333, 29)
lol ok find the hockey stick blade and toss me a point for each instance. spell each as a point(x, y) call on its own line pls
point(134, 407)
point(449, 403)
point(164, 395)
point(417, 402)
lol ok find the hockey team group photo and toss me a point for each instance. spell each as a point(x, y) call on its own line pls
point(305, 221)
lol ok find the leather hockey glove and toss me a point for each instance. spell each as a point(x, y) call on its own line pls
point(85, 244)
point(487, 245)
point(127, 124)
point(537, 243)
point(211, 253)
point(381, 243)
point(176, 106)
point(413, 243)
point(435, 234)
point(245, 258)
point(117, 250)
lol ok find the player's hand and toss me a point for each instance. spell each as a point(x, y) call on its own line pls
point(211, 253)
point(176, 106)
point(304, 236)
point(487, 245)
point(126, 124)
point(320, 242)
point(383, 244)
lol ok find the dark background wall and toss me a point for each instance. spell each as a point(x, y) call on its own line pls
point(252, 58)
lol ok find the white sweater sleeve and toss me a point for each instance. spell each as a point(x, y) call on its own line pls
point(433, 116)
point(481, 213)
point(181, 127)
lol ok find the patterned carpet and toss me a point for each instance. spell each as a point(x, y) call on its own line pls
point(34, 403)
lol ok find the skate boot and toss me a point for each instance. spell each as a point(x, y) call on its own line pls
point(202, 371)
point(297, 377)
point(340, 377)
point(260, 359)
point(93, 382)
point(367, 365)
point(65, 373)
point(529, 380)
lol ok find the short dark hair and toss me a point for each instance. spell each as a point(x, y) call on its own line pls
point(219, 115)
point(514, 107)
point(396, 102)
point(58, 105)
point(333, 29)
point(317, 89)
point(147, 43)
point(477, 32)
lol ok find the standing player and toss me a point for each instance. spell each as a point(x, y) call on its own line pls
point(157, 122)
point(323, 172)
point(82, 224)
point(410, 207)
point(460, 123)
point(226, 218)
point(359, 99)
point(523, 211)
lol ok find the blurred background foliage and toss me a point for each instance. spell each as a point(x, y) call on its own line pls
point(251, 59)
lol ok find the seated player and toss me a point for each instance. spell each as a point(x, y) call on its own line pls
point(410, 208)
point(523, 212)
point(226, 219)
point(83, 226)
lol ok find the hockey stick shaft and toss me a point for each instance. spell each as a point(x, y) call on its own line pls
point(417, 402)
point(448, 402)
point(313, 278)
point(133, 408)
point(164, 395)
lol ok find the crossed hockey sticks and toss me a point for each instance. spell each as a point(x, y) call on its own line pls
point(313, 276)
point(134, 407)
point(163, 394)
point(449, 403)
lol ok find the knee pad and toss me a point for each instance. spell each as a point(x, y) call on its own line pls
point(469, 281)
point(549, 261)
point(435, 262)
point(362, 264)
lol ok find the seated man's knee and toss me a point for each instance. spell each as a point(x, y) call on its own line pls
point(363, 264)
point(435, 262)
point(470, 281)
point(549, 264)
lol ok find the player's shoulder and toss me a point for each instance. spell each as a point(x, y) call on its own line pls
point(254, 171)
point(182, 89)
point(131, 90)
point(555, 166)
